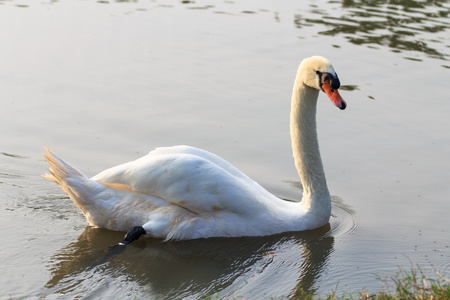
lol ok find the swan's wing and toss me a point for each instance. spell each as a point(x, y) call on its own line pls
point(188, 177)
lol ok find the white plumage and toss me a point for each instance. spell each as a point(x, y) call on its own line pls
point(184, 192)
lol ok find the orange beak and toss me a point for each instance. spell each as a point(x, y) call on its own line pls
point(333, 94)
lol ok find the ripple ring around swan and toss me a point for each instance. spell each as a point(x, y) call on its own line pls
point(343, 218)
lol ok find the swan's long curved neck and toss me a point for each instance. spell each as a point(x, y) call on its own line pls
point(305, 148)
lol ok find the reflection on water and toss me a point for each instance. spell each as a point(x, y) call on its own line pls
point(398, 25)
point(188, 268)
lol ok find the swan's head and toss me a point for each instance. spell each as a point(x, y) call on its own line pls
point(317, 72)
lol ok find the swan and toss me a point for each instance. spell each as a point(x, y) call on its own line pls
point(182, 192)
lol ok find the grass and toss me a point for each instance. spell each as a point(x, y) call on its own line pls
point(402, 285)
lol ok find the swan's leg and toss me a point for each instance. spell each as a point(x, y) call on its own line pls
point(133, 235)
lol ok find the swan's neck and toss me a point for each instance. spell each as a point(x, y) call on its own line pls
point(305, 148)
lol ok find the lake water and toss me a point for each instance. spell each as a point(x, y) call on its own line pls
point(104, 82)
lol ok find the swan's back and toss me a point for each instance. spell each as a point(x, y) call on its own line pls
point(115, 174)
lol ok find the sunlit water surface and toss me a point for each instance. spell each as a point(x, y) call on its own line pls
point(104, 82)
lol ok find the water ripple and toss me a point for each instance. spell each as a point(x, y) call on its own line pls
point(343, 218)
point(400, 25)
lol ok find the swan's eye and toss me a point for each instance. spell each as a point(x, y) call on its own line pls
point(324, 77)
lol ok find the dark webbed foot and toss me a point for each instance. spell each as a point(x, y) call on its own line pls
point(132, 235)
point(117, 249)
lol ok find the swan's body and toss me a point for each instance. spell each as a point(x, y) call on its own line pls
point(187, 193)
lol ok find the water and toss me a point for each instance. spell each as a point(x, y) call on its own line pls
point(104, 82)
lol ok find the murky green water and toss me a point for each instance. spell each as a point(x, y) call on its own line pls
point(104, 82)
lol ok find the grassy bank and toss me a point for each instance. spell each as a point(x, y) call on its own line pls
point(402, 285)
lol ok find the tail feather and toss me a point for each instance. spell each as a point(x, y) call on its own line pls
point(58, 165)
point(72, 181)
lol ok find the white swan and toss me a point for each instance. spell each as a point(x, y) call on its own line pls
point(183, 192)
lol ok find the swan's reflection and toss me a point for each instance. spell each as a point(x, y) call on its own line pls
point(252, 267)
